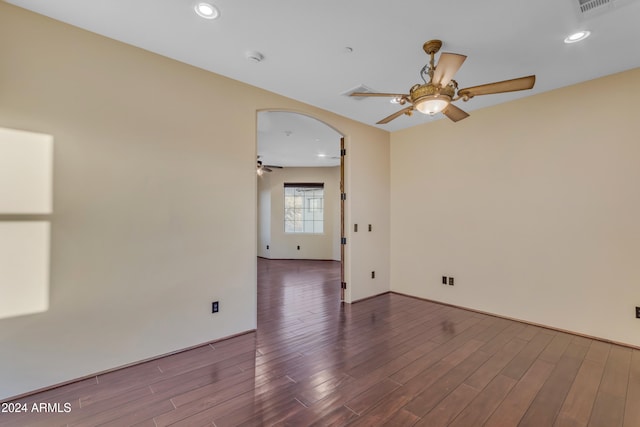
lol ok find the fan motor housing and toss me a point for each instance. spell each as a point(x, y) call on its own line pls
point(429, 90)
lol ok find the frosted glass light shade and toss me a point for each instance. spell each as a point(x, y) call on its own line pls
point(24, 267)
point(26, 171)
point(432, 105)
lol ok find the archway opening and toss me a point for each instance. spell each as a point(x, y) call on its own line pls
point(300, 181)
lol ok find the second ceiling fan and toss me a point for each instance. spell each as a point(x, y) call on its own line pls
point(261, 169)
point(437, 94)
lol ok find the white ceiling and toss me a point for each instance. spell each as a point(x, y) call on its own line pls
point(305, 43)
point(290, 139)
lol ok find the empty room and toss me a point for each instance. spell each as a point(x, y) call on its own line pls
point(331, 213)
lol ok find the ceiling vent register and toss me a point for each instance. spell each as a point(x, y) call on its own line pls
point(359, 89)
point(587, 5)
point(586, 9)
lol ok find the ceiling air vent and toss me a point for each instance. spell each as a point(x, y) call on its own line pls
point(361, 88)
point(587, 5)
point(590, 8)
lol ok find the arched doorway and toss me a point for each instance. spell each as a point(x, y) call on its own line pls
point(300, 173)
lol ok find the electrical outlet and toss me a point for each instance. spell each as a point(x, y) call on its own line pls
point(444, 280)
point(450, 281)
point(637, 312)
point(298, 247)
point(373, 274)
point(267, 247)
point(215, 307)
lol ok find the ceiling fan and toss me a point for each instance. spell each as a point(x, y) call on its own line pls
point(261, 169)
point(437, 94)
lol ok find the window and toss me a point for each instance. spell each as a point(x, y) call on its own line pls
point(304, 208)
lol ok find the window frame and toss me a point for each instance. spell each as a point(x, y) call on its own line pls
point(304, 210)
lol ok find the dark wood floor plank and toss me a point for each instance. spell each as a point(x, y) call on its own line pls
point(609, 406)
point(632, 407)
point(423, 402)
point(311, 394)
point(274, 415)
point(448, 408)
point(555, 349)
point(228, 399)
point(582, 340)
point(481, 408)
point(401, 418)
point(529, 332)
point(127, 414)
point(145, 423)
point(578, 404)
point(397, 399)
point(525, 358)
point(371, 396)
point(115, 396)
point(337, 417)
point(616, 372)
point(599, 352)
point(262, 405)
point(516, 403)
point(345, 393)
point(505, 335)
point(241, 383)
point(481, 377)
point(546, 406)
point(448, 350)
point(390, 360)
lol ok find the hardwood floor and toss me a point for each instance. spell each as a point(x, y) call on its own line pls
point(387, 361)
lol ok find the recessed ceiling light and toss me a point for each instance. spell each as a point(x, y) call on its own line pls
point(207, 10)
point(577, 36)
point(322, 155)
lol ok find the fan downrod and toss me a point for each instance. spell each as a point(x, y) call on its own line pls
point(432, 46)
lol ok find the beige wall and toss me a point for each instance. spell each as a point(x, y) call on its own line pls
point(154, 200)
point(366, 204)
point(312, 246)
point(533, 206)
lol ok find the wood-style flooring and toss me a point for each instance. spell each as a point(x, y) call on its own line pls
point(386, 361)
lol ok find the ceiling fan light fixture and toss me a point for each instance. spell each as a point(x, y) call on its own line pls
point(206, 10)
point(577, 36)
point(437, 93)
point(432, 104)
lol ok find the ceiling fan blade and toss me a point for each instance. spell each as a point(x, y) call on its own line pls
point(512, 85)
point(273, 166)
point(266, 169)
point(448, 66)
point(454, 113)
point(392, 95)
point(395, 115)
